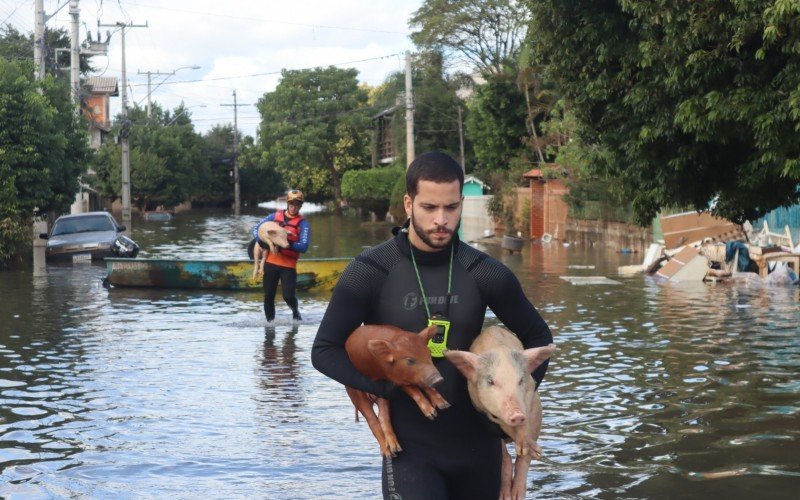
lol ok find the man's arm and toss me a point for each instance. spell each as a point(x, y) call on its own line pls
point(304, 230)
point(347, 310)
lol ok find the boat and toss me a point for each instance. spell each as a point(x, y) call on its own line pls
point(158, 215)
point(312, 274)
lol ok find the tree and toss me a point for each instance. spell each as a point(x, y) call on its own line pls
point(16, 46)
point(218, 148)
point(484, 33)
point(681, 103)
point(371, 189)
point(435, 106)
point(259, 181)
point(540, 99)
point(496, 123)
point(168, 160)
point(43, 150)
point(314, 127)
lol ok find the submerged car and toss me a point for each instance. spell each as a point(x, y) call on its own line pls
point(88, 236)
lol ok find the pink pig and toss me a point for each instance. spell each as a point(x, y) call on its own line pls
point(275, 237)
point(498, 371)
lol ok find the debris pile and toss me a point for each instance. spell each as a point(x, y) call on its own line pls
point(701, 247)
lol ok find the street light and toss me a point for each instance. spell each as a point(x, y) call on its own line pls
point(184, 112)
point(149, 91)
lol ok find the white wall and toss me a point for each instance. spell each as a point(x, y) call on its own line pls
point(475, 219)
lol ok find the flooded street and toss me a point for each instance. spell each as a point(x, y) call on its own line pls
point(658, 391)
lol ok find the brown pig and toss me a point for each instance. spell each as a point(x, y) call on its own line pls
point(383, 352)
point(498, 371)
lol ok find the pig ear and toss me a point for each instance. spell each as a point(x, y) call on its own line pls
point(538, 355)
point(428, 333)
point(466, 362)
point(381, 349)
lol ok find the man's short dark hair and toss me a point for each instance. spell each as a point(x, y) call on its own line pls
point(433, 166)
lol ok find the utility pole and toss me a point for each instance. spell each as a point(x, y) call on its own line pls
point(125, 131)
point(149, 90)
point(74, 56)
point(38, 41)
point(75, 85)
point(39, 225)
point(236, 201)
point(461, 141)
point(409, 114)
point(149, 87)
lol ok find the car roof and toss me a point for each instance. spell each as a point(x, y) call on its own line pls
point(85, 214)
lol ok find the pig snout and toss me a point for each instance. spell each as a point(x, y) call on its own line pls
point(433, 379)
point(512, 414)
point(516, 419)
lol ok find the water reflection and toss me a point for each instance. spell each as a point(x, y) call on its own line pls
point(659, 390)
point(279, 373)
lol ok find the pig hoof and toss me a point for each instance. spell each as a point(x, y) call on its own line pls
point(443, 405)
point(431, 415)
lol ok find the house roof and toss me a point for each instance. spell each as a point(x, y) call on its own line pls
point(102, 85)
point(534, 173)
point(386, 112)
point(472, 178)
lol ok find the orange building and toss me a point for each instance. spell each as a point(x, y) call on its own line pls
point(97, 93)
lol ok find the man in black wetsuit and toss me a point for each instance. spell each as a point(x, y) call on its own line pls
point(422, 272)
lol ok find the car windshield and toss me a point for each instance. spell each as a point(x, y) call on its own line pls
point(83, 225)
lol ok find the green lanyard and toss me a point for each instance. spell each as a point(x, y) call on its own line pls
point(419, 279)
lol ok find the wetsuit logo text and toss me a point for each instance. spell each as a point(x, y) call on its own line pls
point(412, 300)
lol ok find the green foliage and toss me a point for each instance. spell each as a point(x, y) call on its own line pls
point(496, 123)
point(597, 199)
point(14, 46)
point(15, 239)
point(170, 162)
point(42, 143)
point(371, 189)
point(502, 204)
point(218, 149)
point(486, 34)
point(681, 102)
point(397, 207)
point(314, 128)
point(43, 150)
point(259, 181)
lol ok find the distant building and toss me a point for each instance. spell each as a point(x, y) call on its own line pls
point(385, 150)
point(476, 222)
point(474, 186)
point(98, 91)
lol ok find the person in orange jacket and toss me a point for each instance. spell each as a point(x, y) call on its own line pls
point(282, 266)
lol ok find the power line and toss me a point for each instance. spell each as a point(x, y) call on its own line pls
point(269, 73)
point(272, 21)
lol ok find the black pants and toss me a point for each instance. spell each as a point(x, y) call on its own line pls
point(466, 470)
point(288, 279)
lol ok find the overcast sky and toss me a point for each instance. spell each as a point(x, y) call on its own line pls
point(239, 45)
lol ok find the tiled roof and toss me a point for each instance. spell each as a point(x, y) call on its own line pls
point(535, 173)
point(102, 85)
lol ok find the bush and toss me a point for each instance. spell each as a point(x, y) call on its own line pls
point(371, 189)
point(14, 240)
